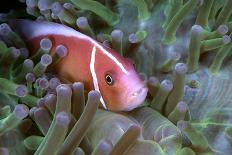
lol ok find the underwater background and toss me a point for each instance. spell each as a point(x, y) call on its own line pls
point(182, 50)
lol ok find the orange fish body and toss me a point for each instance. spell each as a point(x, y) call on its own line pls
point(98, 67)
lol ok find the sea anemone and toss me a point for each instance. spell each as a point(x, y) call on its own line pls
point(181, 49)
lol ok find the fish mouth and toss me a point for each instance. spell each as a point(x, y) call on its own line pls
point(137, 98)
point(140, 92)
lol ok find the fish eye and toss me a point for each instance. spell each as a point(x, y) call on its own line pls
point(109, 80)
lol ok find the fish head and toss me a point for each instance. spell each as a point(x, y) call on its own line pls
point(120, 85)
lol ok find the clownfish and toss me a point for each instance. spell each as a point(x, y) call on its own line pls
point(88, 61)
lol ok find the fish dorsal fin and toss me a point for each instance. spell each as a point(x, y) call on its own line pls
point(32, 29)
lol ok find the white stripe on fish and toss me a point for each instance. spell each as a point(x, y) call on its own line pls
point(94, 76)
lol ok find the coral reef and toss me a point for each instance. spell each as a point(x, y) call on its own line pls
point(182, 50)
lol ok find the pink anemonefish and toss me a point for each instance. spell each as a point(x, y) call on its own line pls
point(88, 61)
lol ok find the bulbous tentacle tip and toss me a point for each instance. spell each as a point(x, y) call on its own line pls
point(68, 6)
point(82, 22)
point(137, 37)
point(226, 39)
point(28, 63)
point(46, 60)
point(24, 52)
point(222, 29)
point(153, 81)
point(133, 38)
point(14, 52)
point(21, 90)
point(63, 118)
point(41, 102)
point(166, 85)
point(105, 146)
point(21, 111)
point(30, 77)
point(61, 51)
point(78, 86)
point(56, 8)
point(46, 44)
point(182, 106)
point(50, 98)
point(5, 29)
point(117, 34)
point(43, 83)
point(143, 76)
point(197, 29)
point(181, 68)
point(94, 95)
point(63, 90)
point(31, 3)
point(83, 25)
point(54, 82)
point(153, 85)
